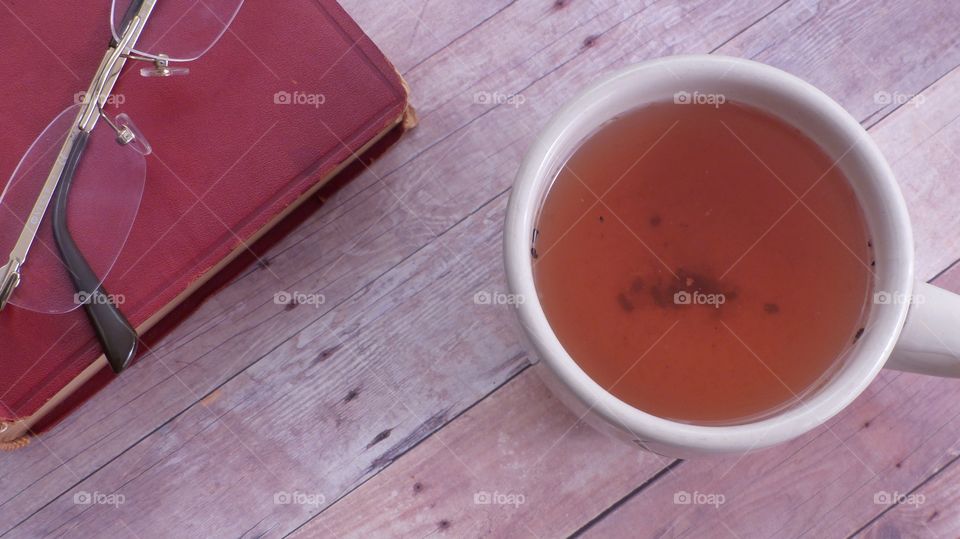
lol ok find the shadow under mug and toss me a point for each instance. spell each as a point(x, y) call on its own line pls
point(916, 336)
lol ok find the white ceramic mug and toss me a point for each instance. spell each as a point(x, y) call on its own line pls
point(919, 336)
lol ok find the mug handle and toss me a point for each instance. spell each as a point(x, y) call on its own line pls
point(930, 340)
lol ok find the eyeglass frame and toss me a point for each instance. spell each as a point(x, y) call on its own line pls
point(117, 336)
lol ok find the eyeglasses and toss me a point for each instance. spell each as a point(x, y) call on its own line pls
point(75, 178)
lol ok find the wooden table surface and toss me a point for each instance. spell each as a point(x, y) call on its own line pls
point(402, 407)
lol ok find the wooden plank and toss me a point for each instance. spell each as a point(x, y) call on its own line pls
point(97, 434)
point(806, 477)
point(822, 485)
point(518, 464)
point(929, 510)
point(223, 361)
point(808, 452)
point(853, 50)
point(324, 412)
point(411, 31)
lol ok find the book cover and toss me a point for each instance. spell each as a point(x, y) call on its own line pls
point(291, 93)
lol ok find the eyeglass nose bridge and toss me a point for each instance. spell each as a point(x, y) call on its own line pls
point(109, 72)
point(107, 75)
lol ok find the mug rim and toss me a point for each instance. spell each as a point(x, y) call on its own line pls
point(649, 430)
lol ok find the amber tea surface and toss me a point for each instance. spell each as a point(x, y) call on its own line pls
point(678, 268)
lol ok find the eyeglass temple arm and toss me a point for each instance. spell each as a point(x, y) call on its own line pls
point(117, 336)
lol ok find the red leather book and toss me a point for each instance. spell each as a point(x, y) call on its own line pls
point(241, 132)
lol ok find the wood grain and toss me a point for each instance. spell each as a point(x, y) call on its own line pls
point(514, 465)
point(804, 454)
point(369, 239)
point(928, 510)
point(348, 406)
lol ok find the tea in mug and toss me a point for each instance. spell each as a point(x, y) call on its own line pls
point(705, 262)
